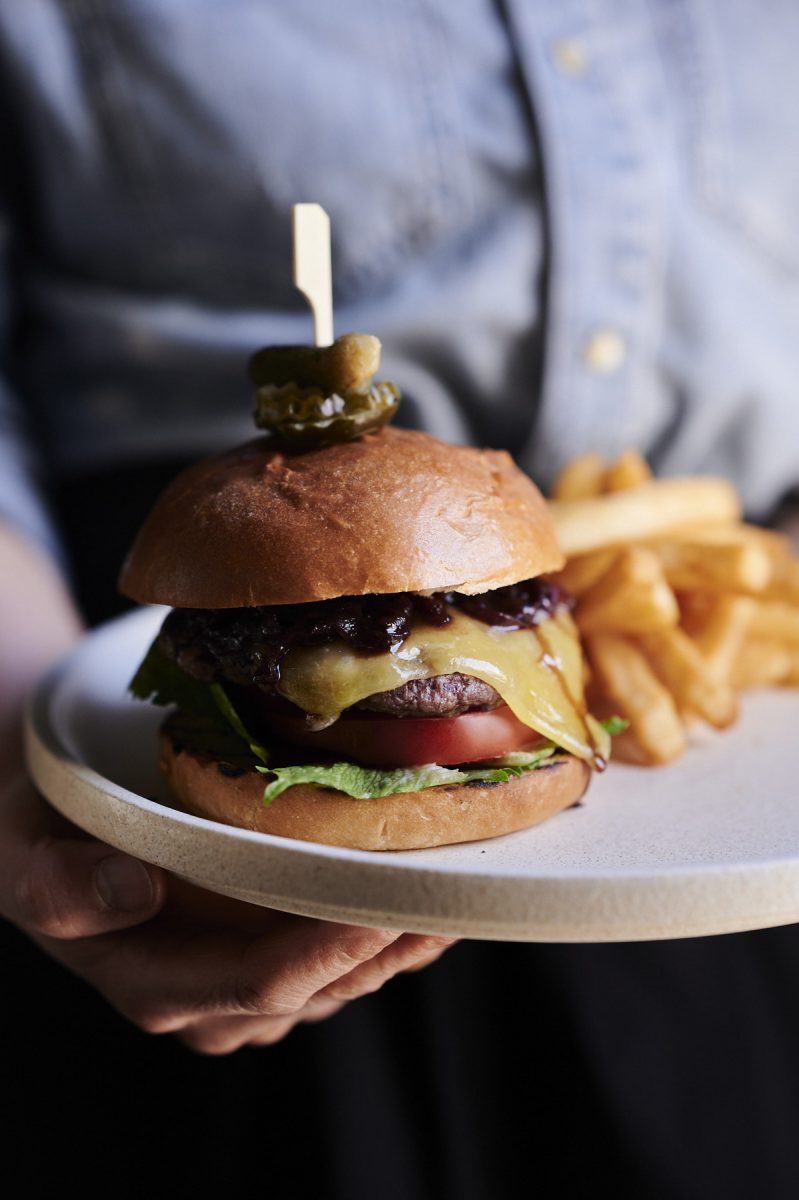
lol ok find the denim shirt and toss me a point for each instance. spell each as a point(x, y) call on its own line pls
point(572, 224)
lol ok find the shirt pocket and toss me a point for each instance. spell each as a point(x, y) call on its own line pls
point(734, 83)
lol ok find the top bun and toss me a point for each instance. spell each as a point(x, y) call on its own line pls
point(394, 511)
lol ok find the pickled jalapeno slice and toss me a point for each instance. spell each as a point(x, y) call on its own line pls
point(308, 417)
point(312, 396)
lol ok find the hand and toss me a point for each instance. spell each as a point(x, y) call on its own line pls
point(173, 959)
point(170, 958)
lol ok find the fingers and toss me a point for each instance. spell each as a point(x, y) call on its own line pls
point(164, 981)
point(67, 887)
point(280, 974)
point(410, 952)
point(224, 1035)
point(80, 900)
point(433, 956)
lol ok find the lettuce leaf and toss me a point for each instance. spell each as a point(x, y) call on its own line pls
point(366, 783)
point(233, 719)
point(614, 725)
point(161, 680)
point(210, 735)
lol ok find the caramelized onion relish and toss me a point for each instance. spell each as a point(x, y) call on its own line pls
point(247, 645)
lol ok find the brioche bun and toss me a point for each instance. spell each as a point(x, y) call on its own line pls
point(405, 821)
point(395, 511)
point(390, 512)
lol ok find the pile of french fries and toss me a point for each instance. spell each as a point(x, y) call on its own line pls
point(680, 604)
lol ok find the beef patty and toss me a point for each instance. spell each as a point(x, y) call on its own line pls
point(441, 696)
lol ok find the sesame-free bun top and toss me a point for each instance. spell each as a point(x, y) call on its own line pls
point(394, 511)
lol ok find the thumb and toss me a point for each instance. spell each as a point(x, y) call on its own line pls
point(67, 887)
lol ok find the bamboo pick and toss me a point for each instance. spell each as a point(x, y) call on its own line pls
point(310, 228)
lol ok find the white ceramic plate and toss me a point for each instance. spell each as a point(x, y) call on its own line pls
point(707, 845)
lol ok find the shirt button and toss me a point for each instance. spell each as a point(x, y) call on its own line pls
point(570, 57)
point(604, 351)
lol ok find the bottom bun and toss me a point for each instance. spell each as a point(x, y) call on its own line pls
point(435, 816)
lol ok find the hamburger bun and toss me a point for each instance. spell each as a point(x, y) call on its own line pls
point(390, 512)
point(395, 511)
point(405, 821)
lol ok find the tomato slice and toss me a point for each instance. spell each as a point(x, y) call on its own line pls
point(378, 740)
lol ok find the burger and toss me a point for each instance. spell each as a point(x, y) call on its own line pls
point(361, 649)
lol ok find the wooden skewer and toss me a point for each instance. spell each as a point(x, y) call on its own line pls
point(310, 229)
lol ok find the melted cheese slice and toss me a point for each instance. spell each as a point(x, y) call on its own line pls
point(537, 672)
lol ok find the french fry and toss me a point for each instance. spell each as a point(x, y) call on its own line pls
point(775, 620)
point(583, 572)
point(776, 544)
point(637, 694)
point(792, 678)
point(649, 510)
point(679, 601)
point(721, 636)
point(629, 469)
point(631, 597)
point(762, 662)
point(717, 567)
point(784, 583)
point(724, 533)
point(627, 749)
point(677, 662)
point(580, 478)
point(695, 610)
